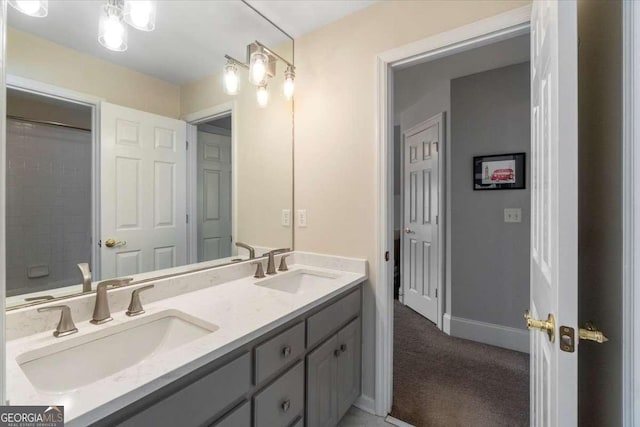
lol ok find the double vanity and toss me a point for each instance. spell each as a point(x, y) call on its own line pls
point(214, 347)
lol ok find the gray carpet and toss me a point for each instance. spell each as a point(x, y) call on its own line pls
point(439, 380)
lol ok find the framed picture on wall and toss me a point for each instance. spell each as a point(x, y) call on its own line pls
point(499, 172)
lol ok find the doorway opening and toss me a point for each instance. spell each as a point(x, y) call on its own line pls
point(461, 266)
point(214, 189)
point(50, 176)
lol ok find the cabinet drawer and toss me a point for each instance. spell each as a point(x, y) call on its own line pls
point(323, 323)
point(200, 402)
point(239, 417)
point(279, 351)
point(282, 402)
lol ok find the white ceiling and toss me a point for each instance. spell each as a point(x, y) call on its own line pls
point(191, 37)
point(303, 16)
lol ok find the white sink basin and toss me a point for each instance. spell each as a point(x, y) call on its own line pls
point(298, 282)
point(75, 362)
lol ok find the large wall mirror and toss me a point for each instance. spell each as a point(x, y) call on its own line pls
point(137, 163)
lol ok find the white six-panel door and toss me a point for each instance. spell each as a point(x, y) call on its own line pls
point(421, 229)
point(554, 242)
point(143, 186)
point(214, 196)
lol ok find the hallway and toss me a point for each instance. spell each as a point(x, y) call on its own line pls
point(440, 380)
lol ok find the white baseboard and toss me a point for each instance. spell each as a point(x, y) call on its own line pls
point(490, 333)
point(446, 324)
point(366, 403)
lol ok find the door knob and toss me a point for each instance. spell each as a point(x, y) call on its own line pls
point(111, 243)
point(591, 333)
point(408, 231)
point(547, 326)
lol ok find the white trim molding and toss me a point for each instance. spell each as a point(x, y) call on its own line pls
point(500, 27)
point(366, 403)
point(631, 216)
point(490, 333)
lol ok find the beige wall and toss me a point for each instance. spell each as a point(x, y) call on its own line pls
point(264, 153)
point(335, 131)
point(38, 59)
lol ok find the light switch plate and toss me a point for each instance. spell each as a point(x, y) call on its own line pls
point(513, 215)
point(286, 217)
point(302, 217)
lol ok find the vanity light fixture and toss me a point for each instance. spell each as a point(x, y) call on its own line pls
point(140, 14)
point(37, 8)
point(262, 66)
point(262, 95)
point(112, 33)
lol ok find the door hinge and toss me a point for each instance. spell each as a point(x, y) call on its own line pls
point(186, 145)
point(386, 256)
point(436, 144)
point(436, 292)
point(437, 219)
point(187, 218)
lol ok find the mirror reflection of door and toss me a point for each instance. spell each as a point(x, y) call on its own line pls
point(49, 171)
point(214, 190)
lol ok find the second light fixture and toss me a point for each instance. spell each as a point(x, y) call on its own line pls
point(262, 66)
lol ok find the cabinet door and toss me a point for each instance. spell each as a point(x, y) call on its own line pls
point(322, 377)
point(348, 366)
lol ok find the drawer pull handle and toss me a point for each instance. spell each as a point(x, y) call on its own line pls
point(286, 351)
point(286, 405)
point(336, 352)
point(343, 347)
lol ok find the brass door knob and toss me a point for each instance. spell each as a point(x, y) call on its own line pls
point(591, 333)
point(408, 230)
point(111, 243)
point(547, 326)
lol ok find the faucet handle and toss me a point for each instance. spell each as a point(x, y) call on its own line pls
point(135, 306)
point(283, 263)
point(65, 325)
point(259, 270)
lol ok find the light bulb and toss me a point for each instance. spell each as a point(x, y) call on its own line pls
point(289, 85)
point(140, 14)
point(37, 8)
point(258, 67)
point(231, 79)
point(112, 32)
point(262, 96)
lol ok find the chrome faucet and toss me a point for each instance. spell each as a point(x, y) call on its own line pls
point(86, 276)
point(101, 312)
point(252, 251)
point(65, 325)
point(271, 263)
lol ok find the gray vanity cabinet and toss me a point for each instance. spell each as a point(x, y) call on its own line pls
point(333, 376)
point(263, 383)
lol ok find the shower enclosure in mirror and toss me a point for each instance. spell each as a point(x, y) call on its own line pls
point(134, 162)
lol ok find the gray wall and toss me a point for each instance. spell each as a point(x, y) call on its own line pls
point(490, 114)
point(600, 214)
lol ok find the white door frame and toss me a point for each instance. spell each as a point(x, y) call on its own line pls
point(50, 91)
point(192, 120)
point(631, 215)
point(487, 31)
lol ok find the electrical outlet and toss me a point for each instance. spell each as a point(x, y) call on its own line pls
point(302, 217)
point(286, 217)
point(513, 215)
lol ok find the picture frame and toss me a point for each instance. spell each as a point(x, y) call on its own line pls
point(500, 172)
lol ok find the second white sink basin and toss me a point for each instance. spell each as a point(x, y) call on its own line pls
point(78, 361)
point(298, 281)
